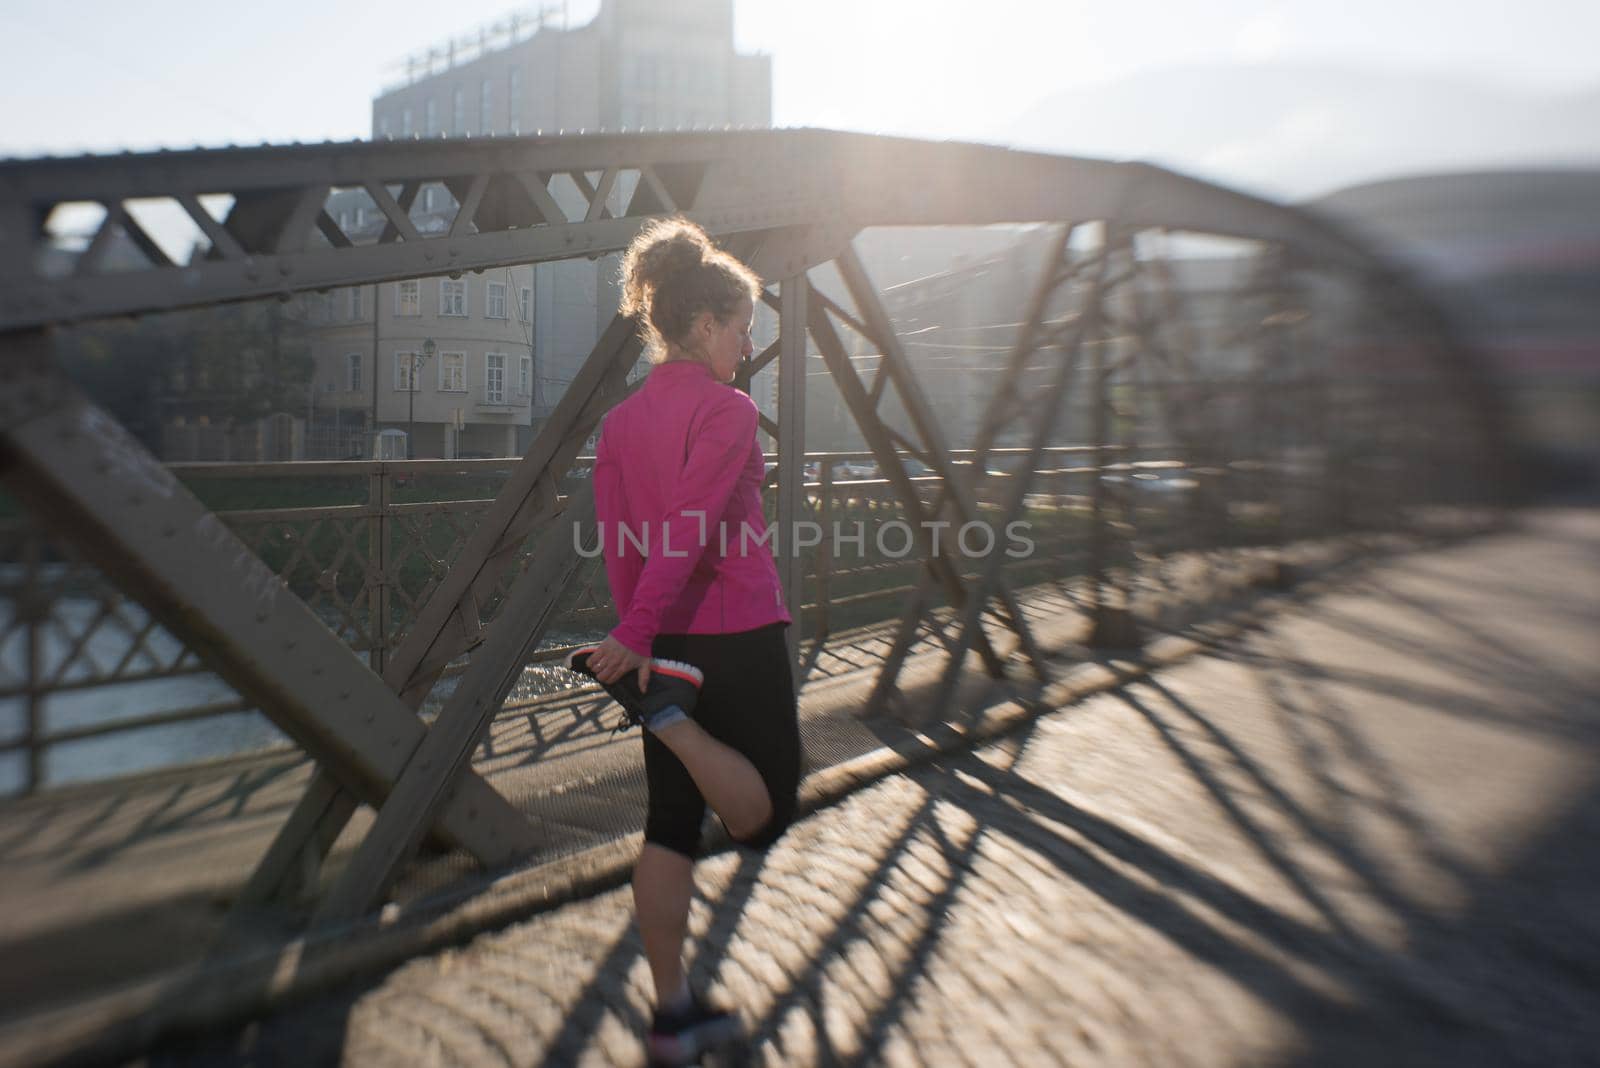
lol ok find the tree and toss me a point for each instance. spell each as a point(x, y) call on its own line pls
point(231, 364)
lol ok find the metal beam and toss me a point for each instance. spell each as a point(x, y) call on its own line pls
point(445, 754)
point(397, 214)
point(791, 449)
point(537, 185)
point(467, 206)
point(1057, 270)
point(897, 366)
point(448, 624)
point(939, 562)
point(496, 664)
point(518, 508)
point(729, 182)
point(223, 243)
point(97, 488)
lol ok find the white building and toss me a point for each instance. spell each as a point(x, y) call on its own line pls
point(640, 64)
point(474, 391)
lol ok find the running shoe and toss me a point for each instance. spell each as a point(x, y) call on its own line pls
point(681, 1037)
point(670, 697)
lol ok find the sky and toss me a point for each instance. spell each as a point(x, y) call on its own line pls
point(104, 75)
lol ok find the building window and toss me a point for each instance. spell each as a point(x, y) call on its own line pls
point(452, 296)
point(352, 372)
point(430, 117)
point(525, 376)
point(383, 127)
point(497, 301)
point(427, 198)
point(452, 372)
point(406, 365)
point(408, 298)
point(494, 378)
point(485, 100)
point(355, 302)
point(514, 100)
point(525, 304)
point(408, 125)
point(458, 111)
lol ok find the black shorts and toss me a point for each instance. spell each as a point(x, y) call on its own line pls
point(747, 701)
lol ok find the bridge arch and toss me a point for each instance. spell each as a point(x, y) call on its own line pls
point(1351, 406)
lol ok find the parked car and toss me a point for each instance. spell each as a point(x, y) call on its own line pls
point(849, 470)
point(1150, 482)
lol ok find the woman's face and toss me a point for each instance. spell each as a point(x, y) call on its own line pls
point(729, 341)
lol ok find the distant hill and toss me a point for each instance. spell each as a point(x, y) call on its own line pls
point(1299, 132)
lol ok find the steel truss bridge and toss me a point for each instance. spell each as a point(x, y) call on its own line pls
point(1357, 410)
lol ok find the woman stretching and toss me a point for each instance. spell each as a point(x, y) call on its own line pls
point(677, 484)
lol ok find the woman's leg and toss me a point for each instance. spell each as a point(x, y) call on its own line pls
point(750, 784)
point(751, 709)
point(726, 778)
point(663, 882)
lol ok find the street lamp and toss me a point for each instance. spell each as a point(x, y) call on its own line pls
point(417, 360)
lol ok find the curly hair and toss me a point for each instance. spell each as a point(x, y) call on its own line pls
point(671, 273)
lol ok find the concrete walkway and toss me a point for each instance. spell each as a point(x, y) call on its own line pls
point(1363, 834)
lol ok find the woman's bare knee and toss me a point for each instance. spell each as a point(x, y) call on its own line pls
point(751, 821)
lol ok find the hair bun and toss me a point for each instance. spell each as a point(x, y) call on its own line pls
point(664, 248)
point(671, 273)
point(679, 249)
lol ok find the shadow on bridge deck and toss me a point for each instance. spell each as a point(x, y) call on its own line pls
point(1441, 655)
point(113, 882)
point(1358, 834)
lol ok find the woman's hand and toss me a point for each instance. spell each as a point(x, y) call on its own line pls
point(613, 660)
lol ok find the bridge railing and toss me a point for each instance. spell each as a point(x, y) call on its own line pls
point(91, 687)
point(1145, 410)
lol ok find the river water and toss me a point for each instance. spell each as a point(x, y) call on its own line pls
point(74, 649)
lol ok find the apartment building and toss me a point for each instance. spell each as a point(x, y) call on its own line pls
point(449, 362)
point(639, 64)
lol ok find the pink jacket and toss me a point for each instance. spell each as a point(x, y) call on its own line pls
point(678, 472)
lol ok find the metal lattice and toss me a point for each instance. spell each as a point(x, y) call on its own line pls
point(1310, 395)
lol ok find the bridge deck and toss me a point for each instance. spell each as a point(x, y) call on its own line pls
point(110, 882)
point(1359, 834)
